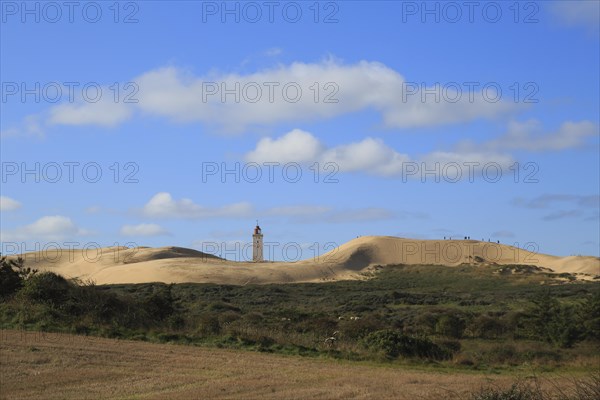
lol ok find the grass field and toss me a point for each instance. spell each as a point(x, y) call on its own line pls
point(59, 366)
point(410, 332)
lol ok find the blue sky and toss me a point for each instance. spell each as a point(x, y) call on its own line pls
point(371, 95)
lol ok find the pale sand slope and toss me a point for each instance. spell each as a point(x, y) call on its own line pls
point(349, 261)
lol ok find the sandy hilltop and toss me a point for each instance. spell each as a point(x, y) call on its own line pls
point(348, 261)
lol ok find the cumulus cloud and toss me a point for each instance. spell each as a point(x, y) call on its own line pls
point(529, 135)
point(32, 126)
point(295, 92)
point(288, 93)
point(105, 112)
point(369, 155)
point(295, 146)
point(163, 205)
point(8, 204)
point(54, 227)
point(373, 156)
point(143, 230)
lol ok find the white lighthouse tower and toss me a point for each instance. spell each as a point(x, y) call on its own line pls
point(257, 244)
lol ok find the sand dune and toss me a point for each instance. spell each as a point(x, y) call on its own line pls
point(349, 261)
point(382, 250)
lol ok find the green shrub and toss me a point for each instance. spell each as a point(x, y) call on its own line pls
point(160, 305)
point(13, 275)
point(48, 288)
point(450, 325)
point(356, 329)
point(553, 322)
point(209, 324)
point(10, 281)
point(453, 346)
point(394, 344)
point(589, 317)
point(486, 327)
point(502, 354)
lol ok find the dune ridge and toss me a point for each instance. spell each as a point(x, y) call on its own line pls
point(351, 260)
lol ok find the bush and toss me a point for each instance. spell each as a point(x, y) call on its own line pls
point(552, 322)
point(13, 274)
point(395, 344)
point(356, 329)
point(453, 346)
point(589, 316)
point(450, 325)
point(160, 305)
point(502, 354)
point(425, 322)
point(319, 325)
point(10, 281)
point(209, 324)
point(48, 288)
point(486, 327)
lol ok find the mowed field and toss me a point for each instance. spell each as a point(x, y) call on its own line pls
point(58, 366)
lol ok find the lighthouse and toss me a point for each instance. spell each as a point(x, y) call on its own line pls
point(257, 244)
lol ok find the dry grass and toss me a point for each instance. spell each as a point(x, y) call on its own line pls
point(57, 366)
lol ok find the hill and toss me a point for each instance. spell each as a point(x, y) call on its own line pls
point(351, 260)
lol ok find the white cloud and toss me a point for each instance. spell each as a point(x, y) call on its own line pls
point(105, 112)
point(463, 158)
point(285, 93)
point(295, 146)
point(54, 227)
point(369, 155)
point(179, 95)
point(373, 156)
point(8, 204)
point(581, 12)
point(32, 126)
point(143, 230)
point(163, 205)
point(529, 135)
